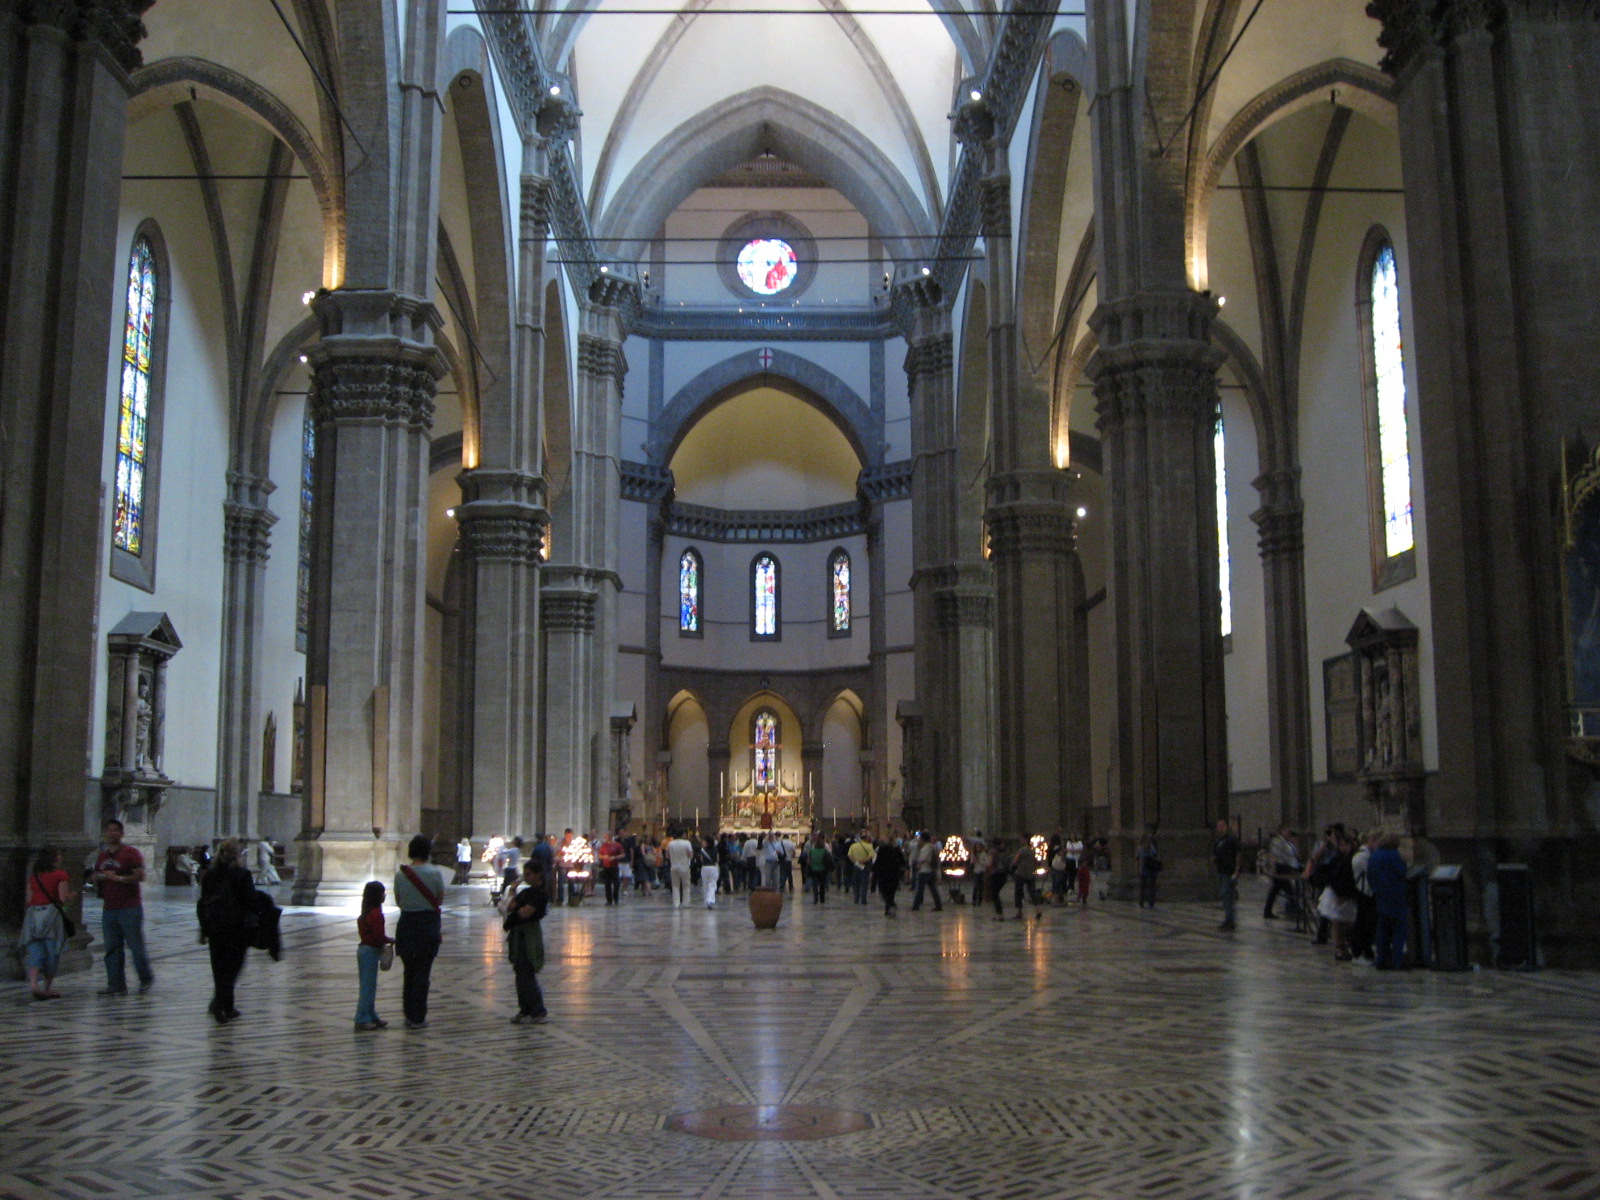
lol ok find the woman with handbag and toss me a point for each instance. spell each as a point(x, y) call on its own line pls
point(228, 921)
point(419, 891)
point(374, 954)
point(46, 926)
point(525, 945)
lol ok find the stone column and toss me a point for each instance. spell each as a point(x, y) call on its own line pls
point(1280, 520)
point(374, 374)
point(1041, 631)
point(875, 751)
point(929, 362)
point(247, 524)
point(63, 109)
point(964, 611)
point(1155, 386)
point(1497, 124)
point(502, 529)
point(581, 631)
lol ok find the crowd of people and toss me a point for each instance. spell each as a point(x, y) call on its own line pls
point(1354, 885)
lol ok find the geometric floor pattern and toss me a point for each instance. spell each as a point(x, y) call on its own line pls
point(1107, 1054)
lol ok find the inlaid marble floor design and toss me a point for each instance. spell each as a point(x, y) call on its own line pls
point(1111, 1054)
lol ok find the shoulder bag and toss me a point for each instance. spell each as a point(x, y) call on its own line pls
point(67, 923)
point(422, 888)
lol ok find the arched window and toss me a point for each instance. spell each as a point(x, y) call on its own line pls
point(764, 620)
point(308, 456)
point(689, 575)
point(764, 731)
point(1219, 449)
point(839, 593)
point(1388, 438)
point(138, 414)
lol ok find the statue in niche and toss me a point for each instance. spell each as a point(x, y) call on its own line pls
point(144, 720)
point(269, 754)
point(297, 750)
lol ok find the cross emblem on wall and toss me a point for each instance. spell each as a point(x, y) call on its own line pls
point(764, 357)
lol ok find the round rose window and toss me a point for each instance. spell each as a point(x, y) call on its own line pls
point(767, 265)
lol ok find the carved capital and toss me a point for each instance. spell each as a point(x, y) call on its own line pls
point(567, 610)
point(1412, 29)
point(396, 389)
point(601, 358)
point(508, 533)
point(929, 356)
point(996, 207)
point(1281, 531)
point(1156, 361)
point(960, 607)
point(247, 535)
point(115, 24)
point(1027, 529)
point(535, 205)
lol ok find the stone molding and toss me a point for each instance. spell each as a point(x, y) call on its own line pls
point(963, 608)
point(645, 482)
point(1030, 528)
point(393, 388)
point(535, 211)
point(996, 207)
point(115, 24)
point(1413, 29)
point(567, 610)
point(807, 525)
point(495, 531)
point(888, 481)
point(1281, 530)
point(601, 358)
point(763, 325)
point(929, 356)
point(247, 532)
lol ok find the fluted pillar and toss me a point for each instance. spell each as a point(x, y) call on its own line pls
point(247, 525)
point(502, 530)
point(1155, 386)
point(1041, 632)
point(580, 587)
point(1498, 121)
point(374, 374)
point(1280, 521)
point(63, 110)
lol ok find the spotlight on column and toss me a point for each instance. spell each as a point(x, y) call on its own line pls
point(976, 95)
point(1082, 512)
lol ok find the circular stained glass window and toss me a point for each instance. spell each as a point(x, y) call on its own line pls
point(767, 265)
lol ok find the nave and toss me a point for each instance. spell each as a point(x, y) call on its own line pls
point(1104, 1054)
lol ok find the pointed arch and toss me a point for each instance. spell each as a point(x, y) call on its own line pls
point(738, 129)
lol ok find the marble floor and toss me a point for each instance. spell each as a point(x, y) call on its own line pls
point(1112, 1054)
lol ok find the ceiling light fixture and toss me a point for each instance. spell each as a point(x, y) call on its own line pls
point(976, 95)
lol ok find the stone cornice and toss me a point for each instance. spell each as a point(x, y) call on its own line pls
point(764, 325)
point(115, 24)
point(601, 358)
point(890, 481)
point(806, 525)
point(1415, 28)
point(395, 388)
point(645, 482)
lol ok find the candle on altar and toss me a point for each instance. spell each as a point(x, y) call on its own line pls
point(722, 783)
point(811, 783)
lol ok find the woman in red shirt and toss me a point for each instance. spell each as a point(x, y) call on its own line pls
point(369, 954)
point(44, 930)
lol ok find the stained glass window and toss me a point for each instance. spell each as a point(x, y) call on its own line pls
point(689, 592)
point(1388, 360)
point(767, 265)
point(1219, 448)
point(839, 590)
point(765, 599)
point(133, 414)
point(765, 740)
point(308, 455)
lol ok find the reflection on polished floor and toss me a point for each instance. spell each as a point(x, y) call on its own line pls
point(1108, 1054)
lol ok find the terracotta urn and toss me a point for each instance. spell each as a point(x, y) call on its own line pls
point(766, 905)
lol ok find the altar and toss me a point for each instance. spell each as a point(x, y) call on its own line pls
point(779, 811)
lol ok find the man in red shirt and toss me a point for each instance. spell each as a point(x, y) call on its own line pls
point(610, 860)
point(118, 872)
